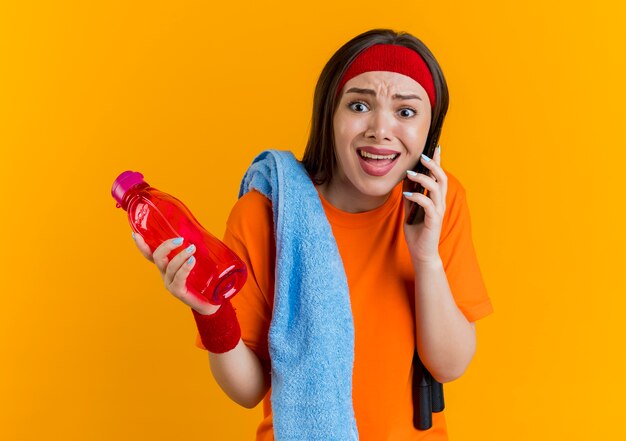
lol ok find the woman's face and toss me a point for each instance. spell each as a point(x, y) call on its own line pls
point(380, 128)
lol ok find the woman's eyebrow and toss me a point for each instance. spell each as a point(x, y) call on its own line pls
point(371, 92)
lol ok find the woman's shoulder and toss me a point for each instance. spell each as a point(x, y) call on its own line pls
point(455, 187)
point(251, 214)
point(252, 201)
point(456, 191)
point(457, 212)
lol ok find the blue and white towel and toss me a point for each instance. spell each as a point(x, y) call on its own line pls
point(311, 336)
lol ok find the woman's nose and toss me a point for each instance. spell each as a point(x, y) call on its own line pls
point(380, 125)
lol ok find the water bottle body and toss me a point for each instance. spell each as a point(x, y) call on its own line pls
point(157, 216)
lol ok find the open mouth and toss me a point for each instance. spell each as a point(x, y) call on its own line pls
point(377, 164)
point(372, 157)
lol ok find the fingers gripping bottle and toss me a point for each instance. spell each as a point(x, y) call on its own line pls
point(158, 216)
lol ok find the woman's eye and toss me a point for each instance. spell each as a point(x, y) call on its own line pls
point(407, 112)
point(358, 106)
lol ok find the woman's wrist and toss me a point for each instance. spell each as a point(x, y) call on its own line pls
point(208, 310)
point(219, 331)
point(423, 264)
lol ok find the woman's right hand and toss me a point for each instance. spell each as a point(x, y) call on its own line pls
point(175, 272)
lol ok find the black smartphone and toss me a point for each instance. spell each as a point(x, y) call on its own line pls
point(416, 215)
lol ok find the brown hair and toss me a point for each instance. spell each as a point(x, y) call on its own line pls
point(319, 155)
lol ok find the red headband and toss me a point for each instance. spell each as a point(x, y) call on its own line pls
point(392, 58)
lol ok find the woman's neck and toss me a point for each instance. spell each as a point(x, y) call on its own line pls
point(349, 199)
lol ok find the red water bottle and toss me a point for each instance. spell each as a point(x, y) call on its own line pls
point(158, 216)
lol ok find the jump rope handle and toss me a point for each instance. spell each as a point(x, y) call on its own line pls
point(437, 395)
point(427, 395)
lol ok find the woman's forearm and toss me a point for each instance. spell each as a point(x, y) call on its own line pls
point(241, 375)
point(446, 341)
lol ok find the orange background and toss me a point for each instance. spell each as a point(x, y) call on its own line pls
point(94, 347)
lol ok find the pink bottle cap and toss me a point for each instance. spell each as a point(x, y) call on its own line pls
point(123, 183)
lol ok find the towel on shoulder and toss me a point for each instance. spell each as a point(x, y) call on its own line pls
point(311, 336)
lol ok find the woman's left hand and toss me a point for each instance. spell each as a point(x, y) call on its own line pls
point(423, 237)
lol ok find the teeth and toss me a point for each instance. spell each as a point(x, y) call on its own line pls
point(372, 156)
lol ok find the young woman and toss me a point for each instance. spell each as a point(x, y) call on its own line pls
point(341, 289)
